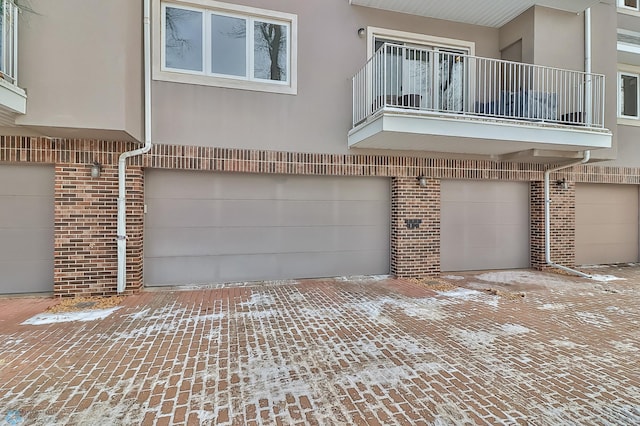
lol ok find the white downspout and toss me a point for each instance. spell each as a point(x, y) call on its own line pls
point(586, 154)
point(587, 67)
point(547, 215)
point(122, 162)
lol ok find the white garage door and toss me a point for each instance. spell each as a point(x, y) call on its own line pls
point(212, 227)
point(606, 223)
point(484, 225)
point(26, 229)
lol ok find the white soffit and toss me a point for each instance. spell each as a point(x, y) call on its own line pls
point(489, 13)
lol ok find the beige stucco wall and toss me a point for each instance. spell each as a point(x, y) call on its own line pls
point(521, 28)
point(81, 64)
point(318, 118)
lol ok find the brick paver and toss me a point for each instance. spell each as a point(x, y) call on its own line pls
point(360, 351)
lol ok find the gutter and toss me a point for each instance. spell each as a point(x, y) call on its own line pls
point(122, 162)
point(586, 154)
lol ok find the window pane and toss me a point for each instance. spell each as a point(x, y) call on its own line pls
point(631, 3)
point(629, 95)
point(270, 51)
point(183, 39)
point(228, 45)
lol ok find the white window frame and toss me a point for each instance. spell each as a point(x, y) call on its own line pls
point(621, 5)
point(636, 74)
point(206, 77)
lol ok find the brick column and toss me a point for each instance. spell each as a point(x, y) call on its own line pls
point(415, 228)
point(563, 225)
point(135, 228)
point(85, 254)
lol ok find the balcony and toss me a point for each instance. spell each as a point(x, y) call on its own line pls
point(13, 100)
point(408, 98)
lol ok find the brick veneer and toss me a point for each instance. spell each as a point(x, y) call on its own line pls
point(85, 208)
point(563, 225)
point(85, 253)
point(415, 227)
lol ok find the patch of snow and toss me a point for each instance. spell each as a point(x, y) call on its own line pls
point(257, 314)
point(430, 312)
point(207, 317)
point(593, 319)
point(205, 417)
point(606, 278)
point(564, 344)
point(483, 339)
point(358, 278)
point(471, 296)
point(553, 306)
point(461, 293)
point(625, 346)
point(259, 299)
point(595, 266)
point(453, 277)
point(139, 315)
point(514, 329)
point(522, 277)
point(81, 316)
point(475, 339)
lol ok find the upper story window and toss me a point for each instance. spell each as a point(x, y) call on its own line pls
point(628, 95)
point(8, 41)
point(628, 4)
point(219, 44)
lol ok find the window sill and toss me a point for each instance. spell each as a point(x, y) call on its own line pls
point(12, 97)
point(624, 121)
point(229, 83)
point(628, 11)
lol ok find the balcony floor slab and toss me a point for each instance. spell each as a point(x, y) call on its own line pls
point(397, 129)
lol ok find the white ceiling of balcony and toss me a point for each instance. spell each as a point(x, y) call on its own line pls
point(489, 13)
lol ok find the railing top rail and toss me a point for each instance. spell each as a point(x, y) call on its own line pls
point(466, 55)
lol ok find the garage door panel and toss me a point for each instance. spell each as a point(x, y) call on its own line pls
point(482, 191)
point(606, 223)
point(26, 276)
point(178, 185)
point(484, 225)
point(21, 244)
point(297, 227)
point(609, 234)
point(26, 181)
point(203, 213)
point(26, 229)
point(266, 266)
point(202, 241)
point(594, 214)
point(23, 212)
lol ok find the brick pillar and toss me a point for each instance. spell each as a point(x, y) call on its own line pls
point(415, 228)
point(85, 256)
point(135, 228)
point(563, 225)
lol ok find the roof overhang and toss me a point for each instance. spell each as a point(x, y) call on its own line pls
point(489, 13)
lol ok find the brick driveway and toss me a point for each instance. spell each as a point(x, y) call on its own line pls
point(466, 349)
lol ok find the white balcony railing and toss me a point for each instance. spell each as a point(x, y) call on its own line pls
point(416, 80)
point(9, 41)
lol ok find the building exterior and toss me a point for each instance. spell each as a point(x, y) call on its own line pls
point(309, 139)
